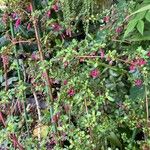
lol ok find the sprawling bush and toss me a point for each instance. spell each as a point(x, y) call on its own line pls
point(74, 74)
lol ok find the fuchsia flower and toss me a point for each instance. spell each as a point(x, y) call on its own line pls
point(28, 26)
point(56, 27)
point(14, 15)
point(5, 59)
point(102, 54)
point(71, 92)
point(29, 8)
point(56, 117)
point(68, 32)
point(55, 7)
point(132, 67)
point(137, 63)
point(65, 82)
point(140, 62)
point(119, 29)
point(48, 14)
point(94, 73)
point(66, 63)
point(148, 54)
point(138, 82)
point(106, 19)
point(17, 23)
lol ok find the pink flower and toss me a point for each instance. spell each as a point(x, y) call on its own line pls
point(34, 56)
point(132, 67)
point(5, 59)
point(106, 19)
point(71, 92)
point(102, 54)
point(65, 82)
point(17, 23)
point(119, 29)
point(140, 62)
point(94, 73)
point(14, 15)
point(148, 54)
point(28, 26)
point(56, 117)
point(138, 82)
point(55, 7)
point(29, 8)
point(66, 63)
point(56, 27)
point(48, 14)
point(68, 32)
point(44, 74)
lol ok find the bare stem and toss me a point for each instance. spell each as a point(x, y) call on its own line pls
point(39, 117)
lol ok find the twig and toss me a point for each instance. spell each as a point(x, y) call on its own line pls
point(39, 117)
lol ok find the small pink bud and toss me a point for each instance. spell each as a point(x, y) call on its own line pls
point(71, 92)
point(17, 23)
point(5, 59)
point(148, 54)
point(65, 82)
point(55, 7)
point(28, 26)
point(48, 14)
point(94, 73)
point(138, 82)
point(106, 19)
point(119, 29)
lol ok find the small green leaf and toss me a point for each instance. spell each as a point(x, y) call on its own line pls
point(140, 15)
point(130, 27)
point(148, 16)
point(110, 99)
point(140, 26)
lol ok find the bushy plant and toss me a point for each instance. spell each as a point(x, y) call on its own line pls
point(72, 78)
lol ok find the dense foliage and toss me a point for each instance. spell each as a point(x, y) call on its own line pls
point(74, 74)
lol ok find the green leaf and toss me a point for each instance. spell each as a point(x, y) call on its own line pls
point(110, 99)
point(140, 26)
point(141, 10)
point(148, 16)
point(10, 80)
point(140, 15)
point(130, 27)
point(137, 93)
point(114, 140)
point(138, 37)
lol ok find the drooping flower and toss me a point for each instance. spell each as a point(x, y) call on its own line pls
point(66, 63)
point(106, 19)
point(140, 62)
point(17, 23)
point(29, 8)
point(65, 82)
point(71, 92)
point(148, 54)
point(28, 26)
point(132, 68)
point(95, 73)
point(56, 27)
point(48, 14)
point(102, 54)
point(68, 32)
point(55, 7)
point(138, 82)
point(119, 29)
point(5, 59)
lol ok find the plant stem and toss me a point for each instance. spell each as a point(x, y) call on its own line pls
point(39, 118)
point(48, 86)
point(19, 73)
